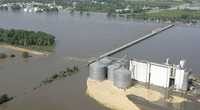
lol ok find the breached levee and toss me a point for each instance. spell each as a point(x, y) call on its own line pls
point(110, 96)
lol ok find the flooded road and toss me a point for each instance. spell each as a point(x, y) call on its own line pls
point(77, 37)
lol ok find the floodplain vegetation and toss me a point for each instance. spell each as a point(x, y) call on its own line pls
point(5, 98)
point(27, 39)
point(68, 72)
point(152, 10)
point(23, 55)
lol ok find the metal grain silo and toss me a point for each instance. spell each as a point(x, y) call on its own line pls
point(111, 70)
point(185, 81)
point(97, 71)
point(122, 78)
point(106, 61)
point(124, 61)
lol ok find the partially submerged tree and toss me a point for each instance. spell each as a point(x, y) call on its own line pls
point(5, 98)
point(25, 54)
point(3, 56)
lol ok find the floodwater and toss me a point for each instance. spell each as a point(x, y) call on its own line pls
point(77, 37)
point(180, 42)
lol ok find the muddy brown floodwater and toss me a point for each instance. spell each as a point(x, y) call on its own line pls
point(78, 38)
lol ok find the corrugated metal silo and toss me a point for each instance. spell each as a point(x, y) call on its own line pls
point(122, 78)
point(124, 61)
point(106, 61)
point(185, 81)
point(111, 70)
point(97, 71)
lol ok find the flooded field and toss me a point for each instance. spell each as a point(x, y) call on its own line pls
point(79, 38)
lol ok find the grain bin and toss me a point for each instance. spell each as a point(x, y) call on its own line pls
point(185, 81)
point(122, 78)
point(124, 62)
point(106, 61)
point(111, 70)
point(97, 71)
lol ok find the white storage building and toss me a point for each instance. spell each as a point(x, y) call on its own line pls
point(163, 75)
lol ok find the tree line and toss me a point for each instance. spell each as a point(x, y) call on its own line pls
point(186, 16)
point(26, 38)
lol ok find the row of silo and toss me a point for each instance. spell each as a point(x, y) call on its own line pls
point(114, 70)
